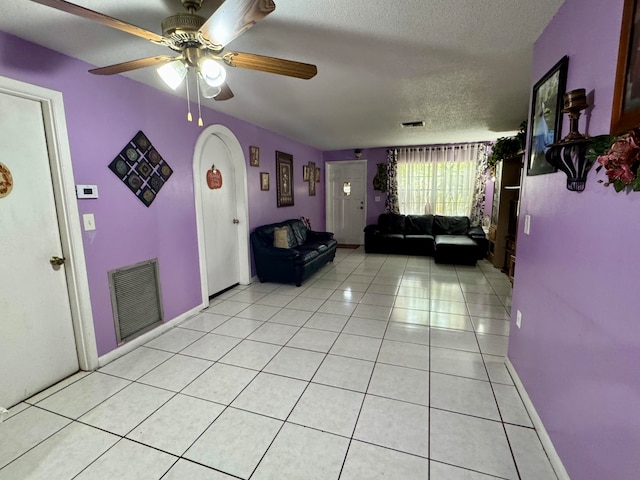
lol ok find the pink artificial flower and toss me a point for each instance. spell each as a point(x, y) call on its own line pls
point(622, 173)
point(624, 151)
point(606, 160)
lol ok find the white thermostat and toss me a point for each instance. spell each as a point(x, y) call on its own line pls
point(87, 191)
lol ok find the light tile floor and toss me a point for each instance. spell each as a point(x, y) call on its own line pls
point(377, 367)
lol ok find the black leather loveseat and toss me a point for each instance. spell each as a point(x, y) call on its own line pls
point(449, 239)
point(306, 252)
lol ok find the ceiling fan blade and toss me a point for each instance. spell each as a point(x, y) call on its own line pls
point(225, 93)
point(101, 18)
point(132, 65)
point(233, 18)
point(278, 66)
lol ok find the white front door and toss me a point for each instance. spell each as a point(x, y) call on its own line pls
point(219, 210)
point(37, 344)
point(347, 200)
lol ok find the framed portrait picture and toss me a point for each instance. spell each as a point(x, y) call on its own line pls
point(318, 175)
point(305, 173)
point(264, 181)
point(254, 156)
point(626, 95)
point(546, 117)
point(284, 179)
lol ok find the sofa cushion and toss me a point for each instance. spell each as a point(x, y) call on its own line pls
point(426, 238)
point(281, 237)
point(419, 244)
point(306, 255)
point(318, 246)
point(419, 225)
point(391, 223)
point(450, 225)
point(299, 230)
point(445, 241)
point(265, 233)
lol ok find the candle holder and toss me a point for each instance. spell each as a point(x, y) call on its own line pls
point(574, 102)
point(570, 153)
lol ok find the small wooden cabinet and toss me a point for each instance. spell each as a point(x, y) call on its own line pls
point(504, 214)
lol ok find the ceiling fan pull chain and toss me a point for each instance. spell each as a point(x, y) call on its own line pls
point(189, 117)
point(200, 123)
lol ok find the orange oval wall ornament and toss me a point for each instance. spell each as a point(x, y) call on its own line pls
point(6, 180)
point(214, 178)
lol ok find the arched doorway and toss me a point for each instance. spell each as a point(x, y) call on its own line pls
point(217, 210)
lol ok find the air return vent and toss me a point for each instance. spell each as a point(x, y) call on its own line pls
point(135, 298)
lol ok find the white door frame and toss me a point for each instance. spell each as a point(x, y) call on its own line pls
point(68, 216)
point(328, 200)
point(239, 166)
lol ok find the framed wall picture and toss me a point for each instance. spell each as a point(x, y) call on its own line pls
point(546, 117)
point(264, 181)
point(626, 95)
point(284, 179)
point(312, 179)
point(305, 173)
point(318, 175)
point(254, 156)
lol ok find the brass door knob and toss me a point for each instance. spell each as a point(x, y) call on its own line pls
point(57, 261)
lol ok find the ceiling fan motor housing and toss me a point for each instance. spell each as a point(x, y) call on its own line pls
point(181, 30)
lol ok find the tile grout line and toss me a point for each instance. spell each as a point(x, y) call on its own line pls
point(495, 399)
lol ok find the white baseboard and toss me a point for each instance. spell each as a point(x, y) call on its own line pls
point(547, 444)
point(147, 337)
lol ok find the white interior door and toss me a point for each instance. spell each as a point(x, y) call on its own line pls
point(37, 344)
point(347, 200)
point(220, 212)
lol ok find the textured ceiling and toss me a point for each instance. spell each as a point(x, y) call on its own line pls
point(461, 66)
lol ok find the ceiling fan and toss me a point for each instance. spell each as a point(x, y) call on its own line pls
point(199, 43)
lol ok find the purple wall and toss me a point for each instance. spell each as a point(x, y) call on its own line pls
point(576, 282)
point(102, 114)
point(373, 157)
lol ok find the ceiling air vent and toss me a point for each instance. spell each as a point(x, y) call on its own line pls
point(418, 123)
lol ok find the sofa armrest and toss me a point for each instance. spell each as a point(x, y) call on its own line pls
point(477, 232)
point(374, 228)
point(319, 236)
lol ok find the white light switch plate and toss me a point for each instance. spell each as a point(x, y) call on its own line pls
point(518, 318)
point(89, 222)
point(527, 224)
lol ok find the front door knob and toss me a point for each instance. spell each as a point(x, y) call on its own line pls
point(57, 261)
point(235, 220)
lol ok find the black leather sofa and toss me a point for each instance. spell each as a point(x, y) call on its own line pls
point(449, 239)
point(307, 252)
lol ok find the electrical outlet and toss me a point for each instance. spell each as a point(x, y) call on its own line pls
point(527, 224)
point(518, 318)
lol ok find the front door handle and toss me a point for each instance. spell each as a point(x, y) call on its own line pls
point(57, 261)
point(236, 221)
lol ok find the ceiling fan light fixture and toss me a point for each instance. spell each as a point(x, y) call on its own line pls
point(173, 73)
point(212, 72)
point(206, 90)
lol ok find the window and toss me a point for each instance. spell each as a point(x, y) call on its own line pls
point(438, 180)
